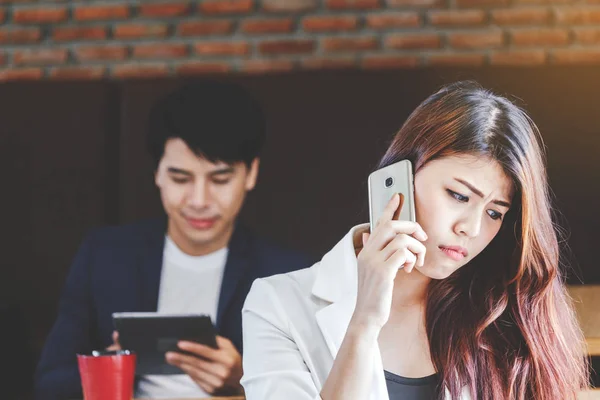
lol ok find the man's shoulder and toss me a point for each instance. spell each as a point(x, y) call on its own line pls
point(279, 257)
point(127, 235)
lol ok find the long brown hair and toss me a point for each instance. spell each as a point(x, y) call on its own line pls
point(503, 325)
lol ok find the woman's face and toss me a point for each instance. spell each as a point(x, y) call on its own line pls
point(460, 203)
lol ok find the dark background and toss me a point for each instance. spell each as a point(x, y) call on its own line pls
point(73, 157)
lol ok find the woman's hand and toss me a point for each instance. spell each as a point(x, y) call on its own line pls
point(392, 245)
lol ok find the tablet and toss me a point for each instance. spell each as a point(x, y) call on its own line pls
point(150, 335)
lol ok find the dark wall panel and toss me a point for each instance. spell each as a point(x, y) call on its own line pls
point(53, 149)
point(328, 130)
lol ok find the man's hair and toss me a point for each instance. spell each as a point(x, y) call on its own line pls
point(218, 121)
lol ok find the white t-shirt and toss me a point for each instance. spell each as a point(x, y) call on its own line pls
point(188, 284)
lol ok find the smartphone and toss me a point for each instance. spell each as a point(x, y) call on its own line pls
point(383, 183)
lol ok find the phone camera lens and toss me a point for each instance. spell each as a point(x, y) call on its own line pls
point(389, 182)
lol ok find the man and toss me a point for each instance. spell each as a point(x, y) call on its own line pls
point(205, 139)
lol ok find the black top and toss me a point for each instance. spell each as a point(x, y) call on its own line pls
point(403, 388)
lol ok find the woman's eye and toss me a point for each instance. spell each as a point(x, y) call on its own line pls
point(458, 196)
point(495, 215)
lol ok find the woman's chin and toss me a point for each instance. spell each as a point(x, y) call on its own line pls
point(437, 273)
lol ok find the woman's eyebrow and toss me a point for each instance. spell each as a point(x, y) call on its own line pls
point(480, 193)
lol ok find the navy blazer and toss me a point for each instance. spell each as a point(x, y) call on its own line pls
point(118, 269)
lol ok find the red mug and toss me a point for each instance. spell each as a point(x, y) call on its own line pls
point(107, 375)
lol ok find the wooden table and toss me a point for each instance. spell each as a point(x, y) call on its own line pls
point(593, 344)
point(207, 398)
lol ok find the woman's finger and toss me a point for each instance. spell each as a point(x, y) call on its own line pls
point(404, 241)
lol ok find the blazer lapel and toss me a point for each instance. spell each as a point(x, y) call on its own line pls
point(235, 268)
point(150, 265)
point(336, 283)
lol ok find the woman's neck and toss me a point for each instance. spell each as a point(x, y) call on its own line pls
point(410, 289)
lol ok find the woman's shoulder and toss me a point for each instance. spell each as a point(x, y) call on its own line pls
point(289, 286)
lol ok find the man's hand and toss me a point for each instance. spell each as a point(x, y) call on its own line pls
point(216, 371)
point(116, 345)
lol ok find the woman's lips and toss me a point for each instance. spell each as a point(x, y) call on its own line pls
point(454, 252)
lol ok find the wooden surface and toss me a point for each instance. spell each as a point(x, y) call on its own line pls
point(593, 346)
point(205, 398)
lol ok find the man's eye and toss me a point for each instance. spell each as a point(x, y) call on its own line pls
point(180, 180)
point(495, 215)
point(458, 196)
point(221, 181)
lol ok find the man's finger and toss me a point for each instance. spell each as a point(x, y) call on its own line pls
point(178, 359)
point(207, 382)
point(201, 350)
point(115, 338)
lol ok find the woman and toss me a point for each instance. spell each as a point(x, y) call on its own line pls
point(468, 303)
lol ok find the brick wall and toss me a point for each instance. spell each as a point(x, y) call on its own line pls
point(54, 39)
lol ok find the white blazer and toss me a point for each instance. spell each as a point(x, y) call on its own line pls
point(293, 326)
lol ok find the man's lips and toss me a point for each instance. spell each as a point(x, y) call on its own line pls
point(201, 223)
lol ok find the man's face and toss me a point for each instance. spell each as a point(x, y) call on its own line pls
point(202, 199)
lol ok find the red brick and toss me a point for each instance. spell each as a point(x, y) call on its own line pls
point(204, 28)
point(521, 16)
point(476, 40)
point(226, 7)
point(413, 41)
point(281, 25)
point(141, 71)
point(201, 68)
point(40, 15)
point(289, 6)
point(417, 3)
point(352, 4)
point(329, 63)
point(79, 33)
point(21, 74)
point(40, 56)
point(519, 58)
point(335, 44)
point(329, 23)
point(20, 35)
point(577, 16)
point(139, 31)
point(77, 73)
point(456, 60)
point(540, 37)
point(481, 3)
point(107, 52)
point(94, 13)
point(577, 56)
point(267, 66)
point(587, 35)
point(387, 62)
point(164, 9)
point(289, 46)
point(543, 2)
point(389, 20)
point(160, 50)
point(222, 48)
point(457, 18)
